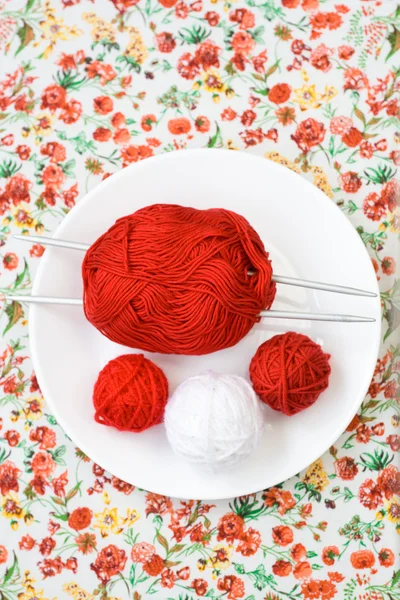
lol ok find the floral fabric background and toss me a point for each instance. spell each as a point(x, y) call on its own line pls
point(87, 88)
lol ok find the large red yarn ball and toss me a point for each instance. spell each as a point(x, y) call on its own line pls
point(176, 280)
point(130, 393)
point(289, 372)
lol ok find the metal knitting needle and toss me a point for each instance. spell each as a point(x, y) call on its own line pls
point(313, 285)
point(269, 314)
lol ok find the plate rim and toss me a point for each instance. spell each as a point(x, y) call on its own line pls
point(34, 309)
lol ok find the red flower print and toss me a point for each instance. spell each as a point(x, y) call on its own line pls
point(26, 543)
point(308, 134)
point(370, 494)
point(17, 189)
point(230, 528)
point(184, 573)
point(249, 542)
point(228, 114)
point(71, 112)
point(379, 428)
point(118, 119)
point(154, 566)
point(71, 564)
point(286, 115)
point(3, 555)
point(53, 97)
point(181, 10)
point(122, 486)
point(70, 195)
point(345, 52)
point(282, 498)
point(12, 437)
point(202, 124)
point(67, 62)
point(394, 442)
point(53, 527)
point(23, 151)
point(8, 478)
point(259, 62)
point(302, 570)
point(109, 562)
point(123, 5)
point(168, 578)
point(392, 108)
point(329, 554)
point(282, 535)
point(232, 584)
point(280, 93)
point(46, 546)
point(187, 66)
point(157, 504)
point(42, 464)
point(103, 105)
point(243, 42)
point(346, 468)
point(55, 151)
point(86, 543)
point(10, 262)
point(366, 150)
point(165, 42)
point(386, 557)
point(354, 79)
point(99, 69)
point(248, 117)
point(239, 60)
point(309, 4)
point(59, 484)
point(373, 207)
point(390, 392)
point(318, 589)
point(390, 194)
point(282, 568)
point(389, 481)
point(142, 552)
point(363, 433)
point(121, 136)
point(207, 55)
point(290, 3)
point(4, 202)
point(50, 196)
point(200, 586)
point(252, 137)
point(53, 176)
point(80, 518)
point(147, 122)
point(244, 17)
point(298, 552)
point(51, 567)
point(39, 483)
point(319, 58)
point(179, 126)
point(352, 138)
point(102, 134)
point(212, 18)
point(335, 576)
point(362, 559)
point(350, 182)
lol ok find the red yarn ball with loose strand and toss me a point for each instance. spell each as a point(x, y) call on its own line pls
point(176, 280)
point(130, 394)
point(289, 372)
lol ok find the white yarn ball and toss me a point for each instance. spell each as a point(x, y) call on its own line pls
point(214, 420)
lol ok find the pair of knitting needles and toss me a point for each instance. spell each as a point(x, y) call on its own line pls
point(270, 314)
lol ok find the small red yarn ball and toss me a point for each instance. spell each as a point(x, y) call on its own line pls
point(130, 393)
point(289, 372)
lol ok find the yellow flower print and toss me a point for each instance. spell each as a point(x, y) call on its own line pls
point(307, 97)
point(108, 522)
point(322, 183)
point(393, 511)
point(329, 93)
point(31, 594)
point(106, 498)
point(276, 157)
point(304, 75)
point(131, 517)
point(136, 47)
point(27, 580)
point(73, 589)
point(11, 507)
point(55, 29)
point(101, 29)
point(221, 557)
point(394, 220)
point(316, 476)
point(44, 124)
point(33, 409)
point(231, 145)
point(23, 217)
point(213, 82)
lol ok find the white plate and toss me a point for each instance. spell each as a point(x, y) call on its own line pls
point(306, 235)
